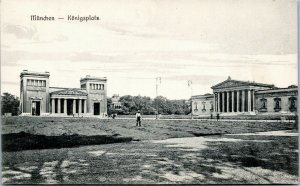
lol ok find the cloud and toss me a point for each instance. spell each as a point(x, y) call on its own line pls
point(10, 83)
point(21, 32)
point(197, 79)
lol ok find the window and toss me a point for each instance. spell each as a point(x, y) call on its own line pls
point(277, 102)
point(263, 105)
point(203, 108)
point(292, 104)
point(196, 106)
point(38, 83)
point(211, 106)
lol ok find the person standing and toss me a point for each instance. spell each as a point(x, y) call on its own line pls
point(218, 116)
point(138, 117)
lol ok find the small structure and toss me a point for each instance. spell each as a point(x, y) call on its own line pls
point(115, 103)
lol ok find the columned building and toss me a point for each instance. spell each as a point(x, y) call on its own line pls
point(233, 97)
point(38, 98)
point(236, 96)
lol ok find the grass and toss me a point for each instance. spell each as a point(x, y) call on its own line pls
point(150, 130)
point(210, 160)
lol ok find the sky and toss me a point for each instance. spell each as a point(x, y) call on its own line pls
point(135, 41)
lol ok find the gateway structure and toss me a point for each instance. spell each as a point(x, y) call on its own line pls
point(233, 97)
point(38, 98)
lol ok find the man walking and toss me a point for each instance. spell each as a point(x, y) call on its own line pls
point(138, 117)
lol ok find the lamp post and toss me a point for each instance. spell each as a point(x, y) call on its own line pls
point(190, 85)
point(158, 81)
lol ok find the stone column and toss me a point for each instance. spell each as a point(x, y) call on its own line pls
point(232, 101)
point(53, 106)
point(227, 101)
point(219, 102)
point(58, 106)
point(243, 101)
point(74, 106)
point(223, 100)
point(65, 106)
point(249, 100)
point(238, 101)
point(253, 100)
point(215, 102)
point(84, 106)
point(80, 109)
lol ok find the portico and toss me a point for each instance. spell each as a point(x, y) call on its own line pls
point(68, 102)
point(233, 96)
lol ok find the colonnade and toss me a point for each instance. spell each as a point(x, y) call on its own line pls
point(234, 101)
point(58, 106)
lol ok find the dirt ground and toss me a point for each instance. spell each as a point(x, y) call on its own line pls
point(168, 152)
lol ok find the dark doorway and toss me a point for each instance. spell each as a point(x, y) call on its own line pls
point(69, 106)
point(36, 108)
point(96, 108)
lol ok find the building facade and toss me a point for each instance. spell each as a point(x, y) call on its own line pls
point(115, 102)
point(38, 98)
point(233, 97)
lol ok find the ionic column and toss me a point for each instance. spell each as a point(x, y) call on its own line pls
point(249, 100)
point(219, 102)
point(243, 101)
point(253, 100)
point(223, 100)
point(65, 106)
point(232, 101)
point(79, 109)
point(227, 101)
point(238, 101)
point(58, 105)
point(53, 106)
point(214, 102)
point(84, 106)
point(74, 106)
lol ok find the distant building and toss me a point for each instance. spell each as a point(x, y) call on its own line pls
point(38, 98)
point(232, 97)
point(115, 103)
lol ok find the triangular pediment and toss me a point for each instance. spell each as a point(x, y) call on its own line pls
point(230, 83)
point(234, 83)
point(73, 92)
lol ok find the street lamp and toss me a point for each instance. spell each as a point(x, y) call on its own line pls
point(158, 81)
point(190, 85)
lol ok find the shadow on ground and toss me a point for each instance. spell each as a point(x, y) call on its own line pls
point(26, 141)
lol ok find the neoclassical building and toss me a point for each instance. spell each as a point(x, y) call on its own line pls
point(233, 97)
point(38, 98)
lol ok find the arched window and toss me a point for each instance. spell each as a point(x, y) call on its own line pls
point(292, 104)
point(277, 102)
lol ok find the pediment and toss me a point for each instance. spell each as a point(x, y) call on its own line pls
point(71, 92)
point(230, 83)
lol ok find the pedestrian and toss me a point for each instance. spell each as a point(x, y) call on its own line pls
point(138, 117)
point(218, 116)
point(211, 116)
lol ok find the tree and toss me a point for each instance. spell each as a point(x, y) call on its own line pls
point(9, 104)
